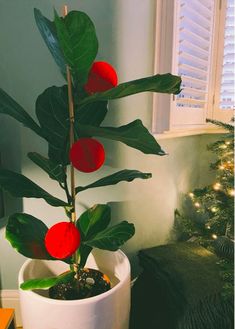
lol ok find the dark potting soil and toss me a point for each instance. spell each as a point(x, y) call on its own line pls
point(90, 283)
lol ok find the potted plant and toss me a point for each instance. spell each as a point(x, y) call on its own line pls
point(65, 284)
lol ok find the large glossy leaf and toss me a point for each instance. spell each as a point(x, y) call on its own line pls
point(160, 83)
point(91, 222)
point(54, 170)
point(77, 38)
point(26, 234)
point(94, 220)
point(92, 114)
point(133, 134)
point(120, 176)
point(20, 186)
point(48, 33)
point(10, 107)
point(112, 237)
point(52, 112)
point(46, 283)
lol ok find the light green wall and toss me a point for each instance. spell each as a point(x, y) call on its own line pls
point(126, 33)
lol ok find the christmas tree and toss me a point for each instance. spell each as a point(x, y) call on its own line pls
point(207, 215)
point(215, 203)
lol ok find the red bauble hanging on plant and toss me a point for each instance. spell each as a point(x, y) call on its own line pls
point(102, 77)
point(62, 240)
point(87, 155)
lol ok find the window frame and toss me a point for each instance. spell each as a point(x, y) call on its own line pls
point(164, 120)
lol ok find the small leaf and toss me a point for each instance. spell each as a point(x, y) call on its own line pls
point(160, 83)
point(133, 134)
point(77, 38)
point(46, 283)
point(9, 107)
point(94, 220)
point(112, 237)
point(48, 33)
point(26, 234)
point(20, 186)
point(120, 176)
point(54, 170)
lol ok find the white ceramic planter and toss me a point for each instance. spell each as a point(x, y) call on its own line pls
point(109, 310)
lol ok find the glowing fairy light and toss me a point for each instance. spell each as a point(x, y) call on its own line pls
point(214, 236)
point(208, 227)
point(221, 167)
point(191, 195)
point(227, 143)
point(197, 204)
point(231, 192)
point(214, 209)
point(224, 146)
point(216, 186)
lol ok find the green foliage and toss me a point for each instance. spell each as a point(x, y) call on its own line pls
point(160, 83)
point(77, 38)
point(53, 116)
point(49, 35)
point(120, 176)
point(94, 220)
point(20, 186)
point(10, 107)
point(54, 170)
point(46, 283)
point(133, 134)
point(73, 44)
point(112, 237)
point(26, 234)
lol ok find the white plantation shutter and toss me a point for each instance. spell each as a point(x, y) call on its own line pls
point(194, 28)
point(227, 88)
point(196, 40)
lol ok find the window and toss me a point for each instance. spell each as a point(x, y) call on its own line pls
point(195, 39)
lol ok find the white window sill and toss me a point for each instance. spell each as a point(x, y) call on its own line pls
point(189, 132)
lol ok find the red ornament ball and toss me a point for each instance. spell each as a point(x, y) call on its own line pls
point(102, 77)
point(87, 155)
point(62, 240)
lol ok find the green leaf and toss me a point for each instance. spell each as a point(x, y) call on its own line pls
point(48, 33)
point(94, 220)
point(133, 134)
point(120, 176)
point(46, 283)
point(26, 234)
point(112, 237)
point(92, 114)
point(160, 83)
point(54, 170)
point(53, 115)
point(20, 186)
point(77, 38)
point(84, 253)
point(9, 107)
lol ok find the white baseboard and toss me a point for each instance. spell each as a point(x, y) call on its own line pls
point(10, 299)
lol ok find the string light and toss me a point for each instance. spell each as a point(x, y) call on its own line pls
point(197, 204)
point(227, 143)
point(221, 167)
point(214, 236)
point(231, 192)
point(224, 146)
point(216, 186)
point(214, 209)
point(208, 227)
point(191, 195)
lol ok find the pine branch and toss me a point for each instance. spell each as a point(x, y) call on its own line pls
point(226, 126)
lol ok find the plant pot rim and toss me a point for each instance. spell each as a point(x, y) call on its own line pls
point(32, 294)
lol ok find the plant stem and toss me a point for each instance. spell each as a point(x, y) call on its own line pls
point(71, 141)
